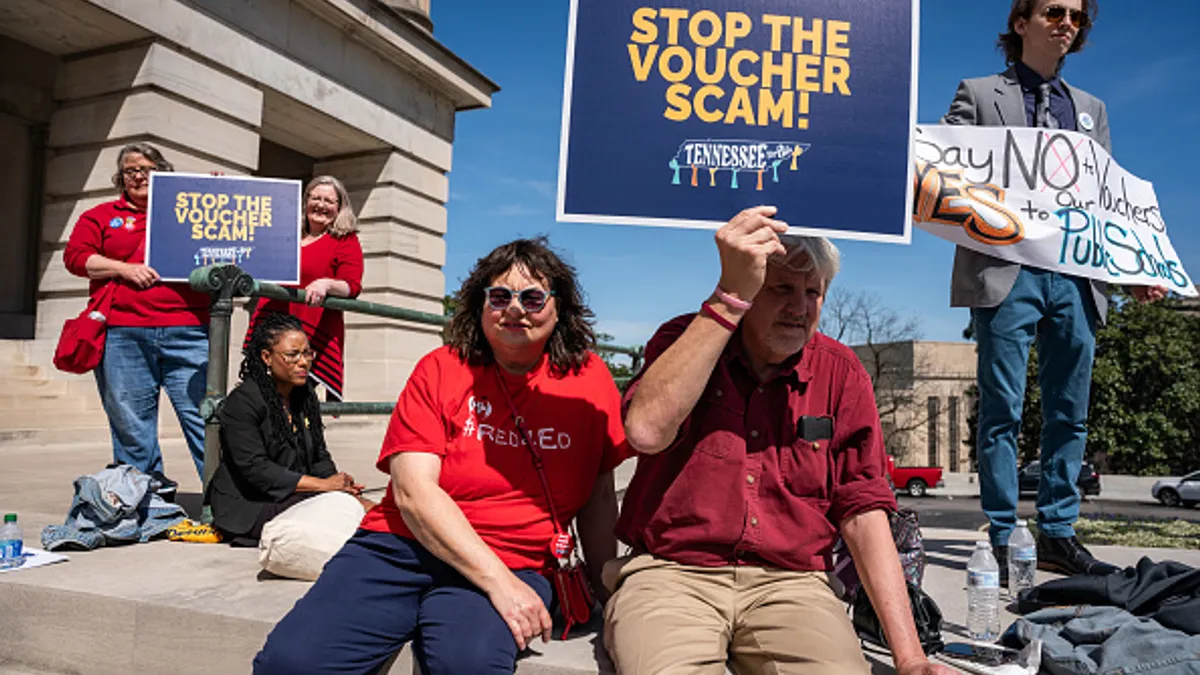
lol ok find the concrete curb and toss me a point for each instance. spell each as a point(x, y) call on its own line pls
point(1134, 489)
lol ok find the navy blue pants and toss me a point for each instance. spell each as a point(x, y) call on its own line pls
point(379, 592)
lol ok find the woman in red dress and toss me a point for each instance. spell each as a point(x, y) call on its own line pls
point(331, 263)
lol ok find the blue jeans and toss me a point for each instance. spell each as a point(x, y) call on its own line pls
point(1086, 640)
point(139, 362)
point(379, 592)
point(1058, 311)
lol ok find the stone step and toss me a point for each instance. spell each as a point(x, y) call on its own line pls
point(16, 669)
point(200, 608)
point(13, 351)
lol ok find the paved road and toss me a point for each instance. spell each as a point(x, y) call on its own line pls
point(963, 512)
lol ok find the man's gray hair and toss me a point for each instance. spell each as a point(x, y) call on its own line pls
point(809, 254)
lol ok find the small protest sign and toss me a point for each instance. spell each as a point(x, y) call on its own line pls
point(197, 220)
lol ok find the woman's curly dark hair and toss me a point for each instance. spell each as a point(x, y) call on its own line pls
point(268, 329)
point(573, 336)
point(1010, 43)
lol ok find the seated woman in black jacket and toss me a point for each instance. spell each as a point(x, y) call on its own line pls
point(273, 452)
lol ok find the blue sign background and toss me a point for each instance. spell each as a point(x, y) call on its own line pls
point(852, 179)
point(210, 203)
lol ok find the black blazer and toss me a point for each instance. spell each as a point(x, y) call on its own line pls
point(255, 469)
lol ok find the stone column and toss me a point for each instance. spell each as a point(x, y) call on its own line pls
point(201, 117)
point(402, 218)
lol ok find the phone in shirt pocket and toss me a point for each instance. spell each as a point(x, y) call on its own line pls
point(806, 462)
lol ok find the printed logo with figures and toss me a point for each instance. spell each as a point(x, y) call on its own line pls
point(807, 105)
point(752, 157)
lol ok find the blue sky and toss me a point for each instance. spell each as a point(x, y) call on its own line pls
point(1143, 60)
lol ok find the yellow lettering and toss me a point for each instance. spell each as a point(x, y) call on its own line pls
point(701, 96)
point(265, 219)
point(837, 73)
point(769, 70)
point(664, 64)
point(679, 108)
point(836, 38)
point(180, 211)
point(197, 230)
point(737, 26)
point(776, 22)
point(718, 72)
point(239, 202)
point(673, 17)
point(239, 233)
point(641, 70)
point(735, 72)
point(714, 23)
point(807, 75)
point(208, 200)
point(224, 216)
point(239, 217)
point(740, 108)
point(800, 35)
point(645, 30)
point(770, 110)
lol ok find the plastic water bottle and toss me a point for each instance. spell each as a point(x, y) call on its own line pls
point(11, 542)
point(983, 594)
point(1022, 559)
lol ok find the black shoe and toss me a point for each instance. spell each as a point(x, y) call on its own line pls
point(167, 487)
point(1001, 555)
point(1066, 555)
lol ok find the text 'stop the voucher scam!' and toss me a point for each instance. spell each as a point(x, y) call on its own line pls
point(682, 115)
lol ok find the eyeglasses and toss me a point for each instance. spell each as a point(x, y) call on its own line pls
point(294, 357)
point(1056, 13)
point(531, 299)
point(135, 171)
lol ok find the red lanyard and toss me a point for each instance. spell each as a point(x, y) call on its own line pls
point(562, 544)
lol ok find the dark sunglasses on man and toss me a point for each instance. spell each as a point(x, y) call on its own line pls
point(1056, 13)
point(531, 299)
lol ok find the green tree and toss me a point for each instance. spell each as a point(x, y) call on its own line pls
point(1144, 415)
point(620, 371)
point(1145, 401)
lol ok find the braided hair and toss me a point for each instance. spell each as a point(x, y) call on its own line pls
point(268, 329)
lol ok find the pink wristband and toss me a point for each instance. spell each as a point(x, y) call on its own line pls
point(732, 301)
point(711, 313)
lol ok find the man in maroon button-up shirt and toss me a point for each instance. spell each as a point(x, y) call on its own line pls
point(759, 445)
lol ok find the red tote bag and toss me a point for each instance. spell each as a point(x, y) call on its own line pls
point(81, 344)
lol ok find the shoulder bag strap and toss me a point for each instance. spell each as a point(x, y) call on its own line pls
point(537, 457)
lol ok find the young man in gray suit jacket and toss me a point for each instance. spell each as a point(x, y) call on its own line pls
point(1011, 304)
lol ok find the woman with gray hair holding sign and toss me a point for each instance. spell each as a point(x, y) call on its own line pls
point(157, 333)
point(331, 263)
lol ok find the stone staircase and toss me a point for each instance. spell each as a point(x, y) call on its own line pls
point(41, 407)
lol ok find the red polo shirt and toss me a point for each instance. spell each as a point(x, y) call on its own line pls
point(739, 486)
point(117, 230)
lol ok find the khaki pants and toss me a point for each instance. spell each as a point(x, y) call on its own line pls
point(672, 619)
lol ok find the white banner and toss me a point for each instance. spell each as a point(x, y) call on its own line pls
point(1050, 199)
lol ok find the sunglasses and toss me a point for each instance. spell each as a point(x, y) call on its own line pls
point(1056, 13)
point(531, 299)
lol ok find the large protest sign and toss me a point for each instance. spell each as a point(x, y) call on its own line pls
point(196, 220)
point(1055, 200)
point(683, 114)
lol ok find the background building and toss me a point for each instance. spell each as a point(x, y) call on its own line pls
point(922, 391)
point(289, 88)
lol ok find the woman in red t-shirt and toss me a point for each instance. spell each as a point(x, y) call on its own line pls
point(157, 333)
point(331, 263)
point(455, 556)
